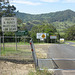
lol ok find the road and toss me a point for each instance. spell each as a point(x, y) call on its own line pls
point(63, 55)
point(61, 51)
point(60, 59)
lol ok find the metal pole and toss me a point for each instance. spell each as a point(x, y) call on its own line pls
point(3, 40)
point(33, 53)
point(16, 41)
point(51, 40)
point(24, 39)
point(0, 45)
point(55, 40)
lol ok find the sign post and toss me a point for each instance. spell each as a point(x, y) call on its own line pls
point(41, 36)
point(53, 37)
point(3, 40)
point(0, 45)
point(9, 24)
point(21, 33)
point(16, 41)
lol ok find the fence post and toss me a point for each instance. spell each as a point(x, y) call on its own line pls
point(3, 42)
point(33, 53)
point(16, 41)
point(0, 45)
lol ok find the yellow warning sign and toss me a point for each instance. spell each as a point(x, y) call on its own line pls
point(43, 36)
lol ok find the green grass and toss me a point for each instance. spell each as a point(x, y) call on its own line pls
point(10, 51)
point(19, 43)
point(44, 72)
point(71, 41)
point(41, 43)
point(22, 43)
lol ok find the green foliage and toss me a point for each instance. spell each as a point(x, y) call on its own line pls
point(60, 20)
point(61, 16)
point(6, 11)
point(60, 26)
point(70, 33)
point(19, 21)
point(45, 28)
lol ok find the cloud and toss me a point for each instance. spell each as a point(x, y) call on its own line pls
point(25, 2)
point(69, 1)
point(50, 0)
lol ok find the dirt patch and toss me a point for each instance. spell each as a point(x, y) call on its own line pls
point(73, 45)
point(9, 68)
point(12, 68)
point(41, 50)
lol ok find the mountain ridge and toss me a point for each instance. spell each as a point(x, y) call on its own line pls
point(62, 15)
point(60, 19)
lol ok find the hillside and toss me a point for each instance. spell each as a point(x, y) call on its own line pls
point(60, 19)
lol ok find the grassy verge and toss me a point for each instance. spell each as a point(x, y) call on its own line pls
point(22, 43)
point(44, 72)
point(40, 43)
point(10, 51)
point(19, 43)
point(71, 41)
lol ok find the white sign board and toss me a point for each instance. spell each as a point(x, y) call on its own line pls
point(53, 37)
point(41, 35)
point(9, 24)
point(62, 40)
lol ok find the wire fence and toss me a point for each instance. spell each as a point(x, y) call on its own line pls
point(15, 47)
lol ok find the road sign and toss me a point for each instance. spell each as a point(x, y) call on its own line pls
point(62, 40)
point(53, 37)
point(21, 33)
point(41, 35)
point(9, 24)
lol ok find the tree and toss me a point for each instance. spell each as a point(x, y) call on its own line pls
point(6, 10)
point(45, 28)
point(19, 21)
point(70, 33)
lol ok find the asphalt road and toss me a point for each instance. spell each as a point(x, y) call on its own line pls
point(63, 55)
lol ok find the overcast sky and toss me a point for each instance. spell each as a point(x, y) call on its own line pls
point(42, 6)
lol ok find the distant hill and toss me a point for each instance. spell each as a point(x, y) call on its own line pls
point(60, 16)
point(60, 19)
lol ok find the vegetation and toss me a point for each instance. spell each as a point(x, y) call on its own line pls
point(61, 16)
point(63, 21)
point(6, 11)
point(70, 33)
point(60, 20)
point(44, 72)
point(45, 28)
point(57, 23)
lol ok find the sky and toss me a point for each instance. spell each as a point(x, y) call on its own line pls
point(42, 6)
